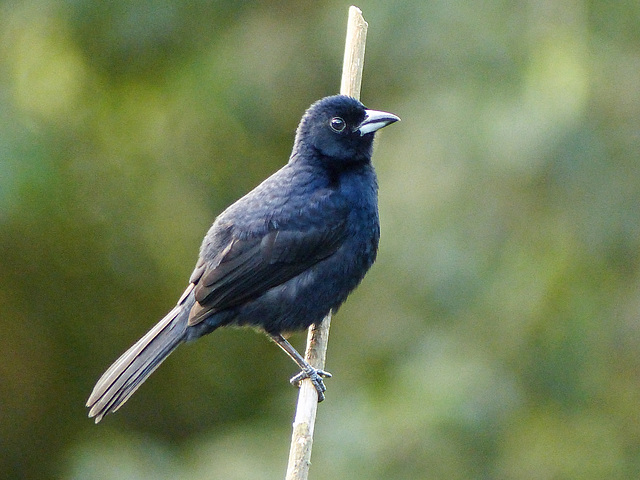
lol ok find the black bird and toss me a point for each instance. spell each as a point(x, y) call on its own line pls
point(282, 256)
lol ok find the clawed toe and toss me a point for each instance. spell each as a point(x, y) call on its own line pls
point(316, 372)
point(315, 375)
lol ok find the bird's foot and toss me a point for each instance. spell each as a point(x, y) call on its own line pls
point(315, 375)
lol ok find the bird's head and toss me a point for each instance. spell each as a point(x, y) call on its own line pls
point(341, 129)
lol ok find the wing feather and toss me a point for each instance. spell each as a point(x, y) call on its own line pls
point(249, 267)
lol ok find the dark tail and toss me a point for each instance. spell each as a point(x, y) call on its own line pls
point(127, 373)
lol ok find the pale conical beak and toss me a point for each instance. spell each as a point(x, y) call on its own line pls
point(375, 120)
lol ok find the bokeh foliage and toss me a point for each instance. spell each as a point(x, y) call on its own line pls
point(498, 335)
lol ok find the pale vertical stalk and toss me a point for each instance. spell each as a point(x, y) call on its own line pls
point(354, 54)
point(318, 337)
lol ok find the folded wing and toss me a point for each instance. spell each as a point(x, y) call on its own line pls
point(246, 268)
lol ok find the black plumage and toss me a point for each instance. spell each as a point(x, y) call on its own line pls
point(282, 256)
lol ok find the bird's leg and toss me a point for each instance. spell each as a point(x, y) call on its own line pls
point(313, 374)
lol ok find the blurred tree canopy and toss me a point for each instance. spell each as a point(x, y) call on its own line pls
point(498, 336)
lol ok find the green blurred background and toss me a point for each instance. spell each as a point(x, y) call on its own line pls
point(498, 335)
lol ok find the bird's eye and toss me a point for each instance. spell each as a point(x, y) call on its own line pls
point(337, 124)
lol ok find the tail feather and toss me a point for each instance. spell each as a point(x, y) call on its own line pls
point(127, 373)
